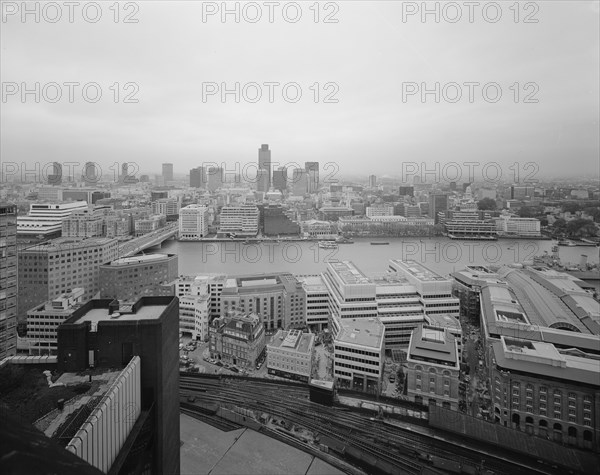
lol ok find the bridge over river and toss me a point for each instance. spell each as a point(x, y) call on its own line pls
point(156, 238)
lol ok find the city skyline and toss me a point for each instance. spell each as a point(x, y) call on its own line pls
point(368, 231)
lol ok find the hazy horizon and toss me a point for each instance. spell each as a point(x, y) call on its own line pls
point(367, 56)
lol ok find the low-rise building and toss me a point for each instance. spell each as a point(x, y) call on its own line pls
point(451, 325)
point(379, 210)
point(541, 340)
point(333, 213)
point(433, 367)
point(279, 299)
point(315, 229)
point(358, 353)
point(46, 218)
point(240, 220)
point(399, 308)
point(519, 227)
point(317, 302)
point(434, 290)
point(150, 224)
point(50, 269)
point(279, 221)
point(237, 339)
point(130, 278)
point(168, 207)
point(214, 283)
point(193, 222)
point(290, 354)
point(193, 315)
point(43, 321)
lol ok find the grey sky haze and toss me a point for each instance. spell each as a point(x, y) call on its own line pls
point(369, 54)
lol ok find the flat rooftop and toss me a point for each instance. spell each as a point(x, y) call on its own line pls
point(322, 384)
point(258, 282)
point(418, 270)
point(433, 345)
point(366, 332)
point(211, 278)
point(544, 359)
point(444, 321)
point(124, 261)
point(68, 243)
point(144, 312)
point(348, 273)
point(312, 283)
point(289, 340)
point(389, 279)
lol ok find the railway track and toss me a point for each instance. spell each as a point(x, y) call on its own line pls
point(357, 429)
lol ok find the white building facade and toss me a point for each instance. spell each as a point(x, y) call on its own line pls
point(193, 222)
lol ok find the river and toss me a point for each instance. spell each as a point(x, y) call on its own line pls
point(442, 255)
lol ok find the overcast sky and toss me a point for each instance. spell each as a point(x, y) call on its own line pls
point(369, 53)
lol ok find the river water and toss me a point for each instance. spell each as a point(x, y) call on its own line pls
point(441, 255)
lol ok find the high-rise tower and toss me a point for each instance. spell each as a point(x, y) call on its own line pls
point(264, 161)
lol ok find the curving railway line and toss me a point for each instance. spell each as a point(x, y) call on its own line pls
point(405, 451)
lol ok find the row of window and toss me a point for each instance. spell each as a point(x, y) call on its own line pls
point(358, 360)
point(358, 352)
point(357, 368)
point(432, 390)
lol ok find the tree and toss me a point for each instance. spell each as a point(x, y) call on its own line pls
point(560, 224)
point(486, 204)
point(571, 207)
point(581, 228)
point(594, 212)
point(529, 211)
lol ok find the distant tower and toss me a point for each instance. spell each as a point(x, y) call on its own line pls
point(312, 168)
point(280, 179)
point(264, 161)
point(215, 178)
point(167, 171)
point(372, 181)
point(197, 177)
point(55, 177)
point(124, 172)
point(262, 180)
point(437, 202)
point(299, 182)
